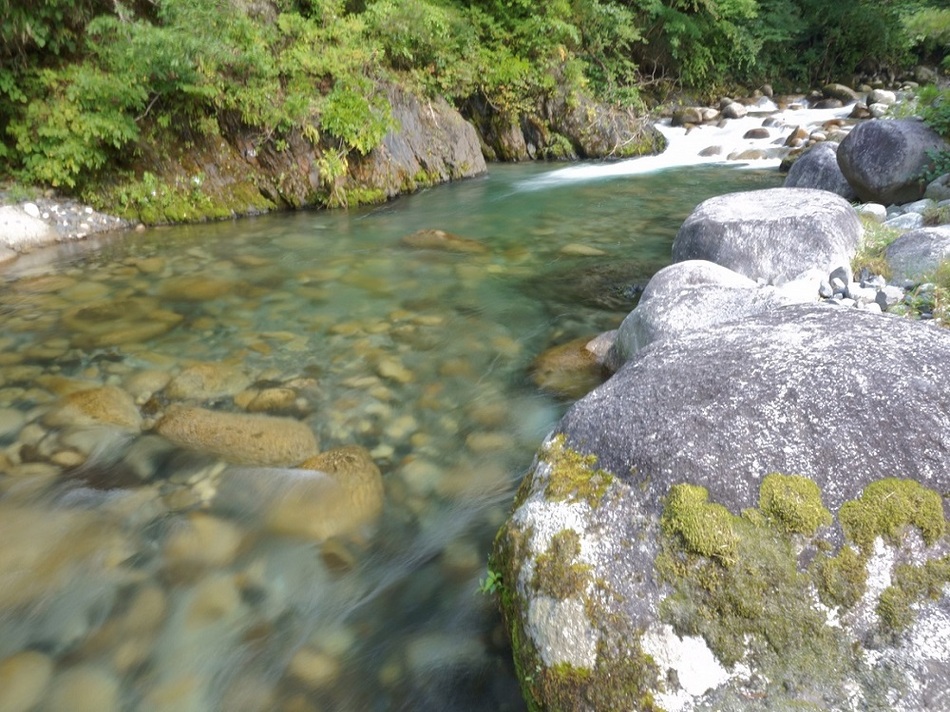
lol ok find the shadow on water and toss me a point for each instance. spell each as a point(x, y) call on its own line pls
point(145, 567)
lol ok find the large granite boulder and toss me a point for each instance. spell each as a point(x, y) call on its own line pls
point(916, 254)
point(745, 518)
point(692, 295)
point(883, 160)
point(773, 234)
point(818, 168)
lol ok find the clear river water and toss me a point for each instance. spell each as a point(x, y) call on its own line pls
point(150, 569)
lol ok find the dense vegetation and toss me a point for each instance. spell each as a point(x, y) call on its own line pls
point(84, 82)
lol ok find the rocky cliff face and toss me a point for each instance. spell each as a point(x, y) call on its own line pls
point(233, 170)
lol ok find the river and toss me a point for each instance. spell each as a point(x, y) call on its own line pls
point(139, 572)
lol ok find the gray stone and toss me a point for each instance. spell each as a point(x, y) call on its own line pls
point(735, 110)
point(694, 308)
point(844, 94)
point(686, 115)
point(769, 234)
point(825, 290)
point(939, 189)
point(918, 253)
point(882, 96)
point(905, 221)
point(920, 206)
point(818, 168)
point(788, 391)
point(888, 296)
point(875, 210)
point(884, 159)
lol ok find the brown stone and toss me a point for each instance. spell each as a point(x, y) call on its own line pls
point(106, 405)
point(568, 370)
point(237, 437)
point(342, 497)
point(23, 679)
point(441, 240)
point(205, 381)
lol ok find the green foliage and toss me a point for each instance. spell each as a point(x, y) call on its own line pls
point(357, 121)
point(929, 32)
point(492, 583)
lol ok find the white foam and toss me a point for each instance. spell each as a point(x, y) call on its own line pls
point(684, 146)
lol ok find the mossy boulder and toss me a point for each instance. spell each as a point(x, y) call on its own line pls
point(751, 517)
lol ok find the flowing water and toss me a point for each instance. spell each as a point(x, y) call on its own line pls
point(192, 567)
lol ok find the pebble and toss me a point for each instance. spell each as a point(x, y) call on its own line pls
point(84, 688)
point(202, 541)
point(313, 668)
point(24, 677)
point(11, 422)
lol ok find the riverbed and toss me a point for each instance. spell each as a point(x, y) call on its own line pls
point(143, 572)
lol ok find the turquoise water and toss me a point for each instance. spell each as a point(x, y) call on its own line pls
point(138, 572)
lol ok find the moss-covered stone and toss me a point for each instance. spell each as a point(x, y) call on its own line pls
point(912, 585)
point(556, 572)
point(736, 582)
point(793, 503)
point(841, 580)
point(886, 507)
point(573, 476)
point(701, 527)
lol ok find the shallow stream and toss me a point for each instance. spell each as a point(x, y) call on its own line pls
point(144, 573)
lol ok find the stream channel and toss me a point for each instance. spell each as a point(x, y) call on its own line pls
point(137, 573)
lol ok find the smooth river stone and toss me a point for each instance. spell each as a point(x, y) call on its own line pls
point(343, 496)
point(24, 678)
point(195, 288)
point(41, 551)
point(441, 240)
point(106, 405)
point(85, 688)
point(120, 321)
point(239, 438)
point(205, 381)
point(202, 541)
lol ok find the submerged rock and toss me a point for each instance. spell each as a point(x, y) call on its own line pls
point(441, 240)
point(570, 369)
point(771, 234)
point(653, 559)
point(238, 437)
point(105, 405)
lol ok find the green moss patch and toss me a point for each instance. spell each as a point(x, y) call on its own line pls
point(573, 476)
point(736, 582)
point(886, 507)
point(701, 527)
point(793, 503)
point(556, 572)
point(912, 585)
point(841, 580)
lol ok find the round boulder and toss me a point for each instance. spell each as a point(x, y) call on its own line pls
point(916, 254)
point(883, 160)
point(722, 521)
point(771, 234)
point(818, 168)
